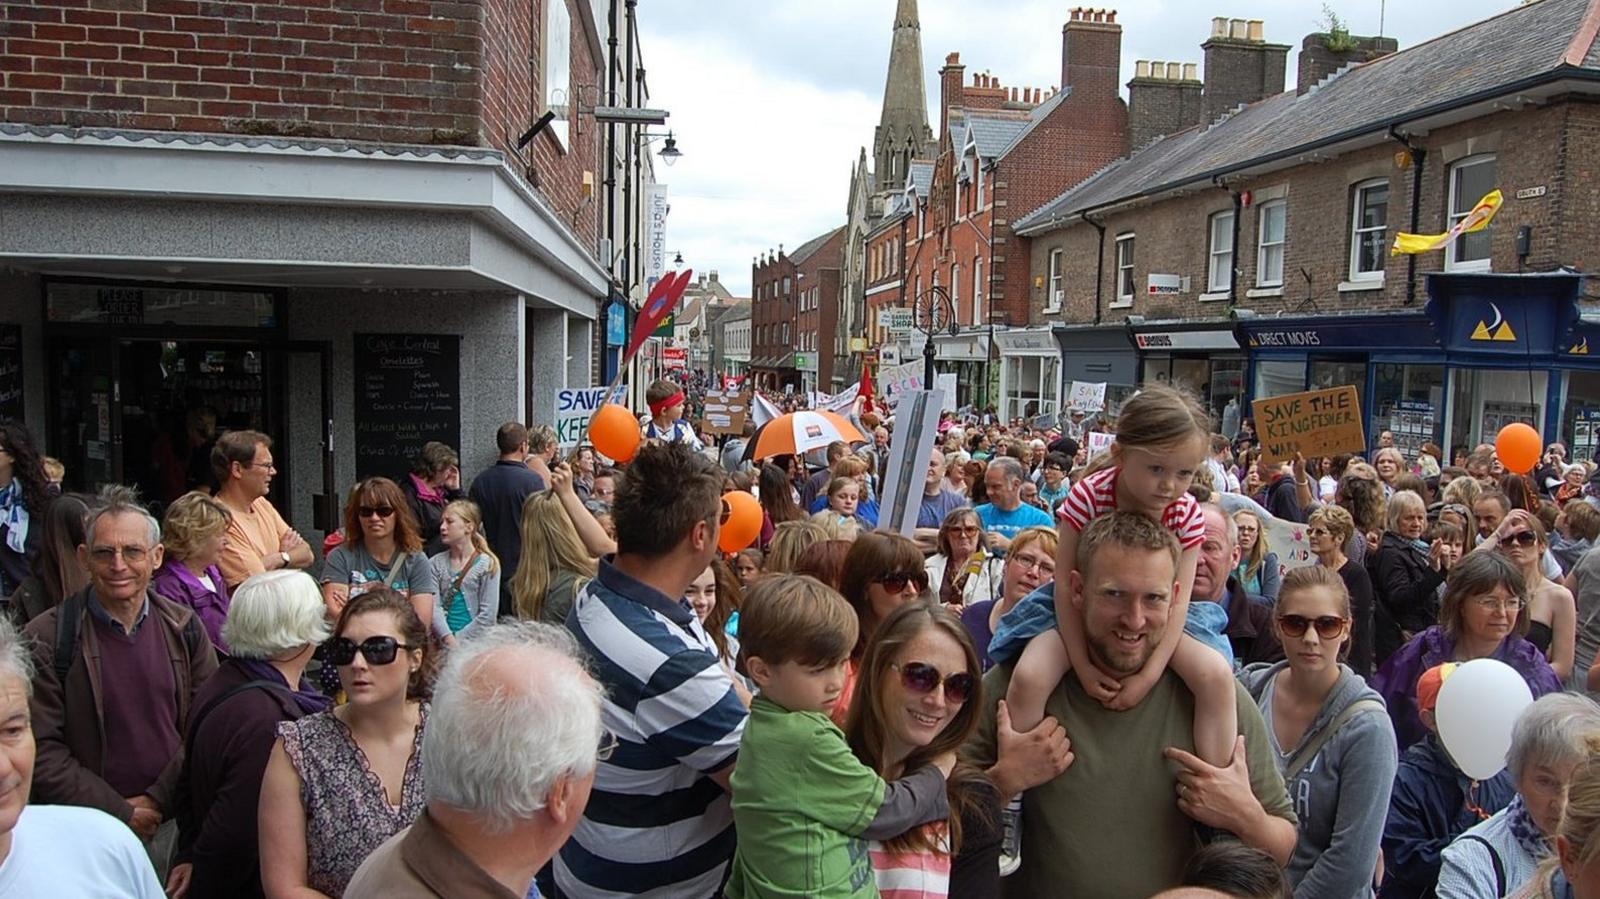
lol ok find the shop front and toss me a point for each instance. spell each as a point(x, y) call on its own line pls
point(1203, 356)
point(1487, 350)
point(1099, 354)
point(964, 355)
point(1030, 372)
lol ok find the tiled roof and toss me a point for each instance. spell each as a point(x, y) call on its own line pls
point(195, 139)
point(805, 250)
point(992, 133)
point(921, 177)
point(1517, 47)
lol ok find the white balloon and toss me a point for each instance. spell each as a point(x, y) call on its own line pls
point(1477, 706)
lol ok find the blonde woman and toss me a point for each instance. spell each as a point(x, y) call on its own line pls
point(789, 541)
point(468, 574)
point(193, 535)
point(1573, 870)
point(1258, 570)
point(555, 565)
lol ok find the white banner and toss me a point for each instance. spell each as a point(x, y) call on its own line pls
point(655, 233)
point(1088, 396)
point(894, 380)
point(946, 384)
point(1288, 539)
point(574, 408)
point(838, 402)
point(763, 410)
point(1099, 442)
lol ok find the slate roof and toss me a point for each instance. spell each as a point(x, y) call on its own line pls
point(805, 250)
point(921, 177)
point(1039, 114)
point(1517, 48)
point(992, 133)
point(195, 139)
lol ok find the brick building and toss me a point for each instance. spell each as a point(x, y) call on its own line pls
point(233, 210)
point(817, 277)
point(1248, 257)
point(772, 322)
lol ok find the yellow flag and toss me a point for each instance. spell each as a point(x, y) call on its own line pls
point(1476, 220)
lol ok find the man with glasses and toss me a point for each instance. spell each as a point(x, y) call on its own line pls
point(116, 669)
point(659, 823)
point(1119, 791)
point(515, 694)
point(1249, 629)
point(258, 537)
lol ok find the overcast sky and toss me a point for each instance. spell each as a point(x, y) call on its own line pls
point(772, 100)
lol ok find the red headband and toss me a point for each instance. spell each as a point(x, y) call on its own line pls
point(657, 408)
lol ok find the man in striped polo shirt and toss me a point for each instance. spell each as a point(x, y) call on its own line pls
point(659, 823)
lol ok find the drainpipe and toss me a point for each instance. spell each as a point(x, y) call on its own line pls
point(1099, 263)
point(1418, 156)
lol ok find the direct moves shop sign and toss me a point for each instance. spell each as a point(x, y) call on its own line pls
point(1313, 423)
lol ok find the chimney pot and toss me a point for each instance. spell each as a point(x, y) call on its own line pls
point(1141, 68)
point(1219, 26)
point(1190, 72)
point(953, 59)
point(1174, 71)
point(1013, 95)
point(1111, 16)
point(1256, 30)
point(1238, 29)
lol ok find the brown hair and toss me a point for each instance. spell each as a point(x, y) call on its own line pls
point(659, 390)
point(1476, 575)
point(1313, 577)
point(795, 618)
point(866, 731)
point(730, 599)
point(235, 446)
point(1156, 418)
point(664, 492)
point(1336, 519)
point(1036, 534)
point(412, 631)
point(1583, 519)
point(434, 458)
point(382, 492)
point(850, 467)
point(824, 561)
point(952, 521)
point(872, 556)
point(1128, 530)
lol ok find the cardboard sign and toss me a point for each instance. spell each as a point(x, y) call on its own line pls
point(1087, 395)
point(1313, 423)
point(725, 412)
point(574, 408)
point(910, 447)
point(1288, 540)
point(900, 378)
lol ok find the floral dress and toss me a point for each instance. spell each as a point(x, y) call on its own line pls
point(348, 814)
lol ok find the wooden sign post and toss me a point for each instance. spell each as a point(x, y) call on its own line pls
point(1314, 423)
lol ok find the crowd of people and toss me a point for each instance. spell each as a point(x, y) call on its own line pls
point(1073, 673)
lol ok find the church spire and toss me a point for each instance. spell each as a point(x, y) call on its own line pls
point(902, 133)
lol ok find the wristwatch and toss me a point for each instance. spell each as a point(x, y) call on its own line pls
point(285, 557)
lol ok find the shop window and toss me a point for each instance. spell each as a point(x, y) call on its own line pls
point(1470, 180)
point(1580, 415)
point(1124, 270)
point(1053, 295)
point(1031, 383)
point(1408, 402)
point(1276, 377)
point(1220, 272)
point(1485, 400)
point(1269, 246)
point(1369, 231)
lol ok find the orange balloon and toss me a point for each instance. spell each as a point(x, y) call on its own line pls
point(615, 432)
point(1518, 447)
point(743, 524)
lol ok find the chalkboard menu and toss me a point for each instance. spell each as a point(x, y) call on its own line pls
point(11, 371)
point(408, 392)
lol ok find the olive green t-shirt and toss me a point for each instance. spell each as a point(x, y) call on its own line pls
point(801, 799)
point(1109, 827)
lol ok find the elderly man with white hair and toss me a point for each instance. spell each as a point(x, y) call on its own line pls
point(509, 758)
point(54, 850)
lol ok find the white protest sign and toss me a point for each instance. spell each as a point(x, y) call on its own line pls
point(1099, 442)
point(946, 384)
point(1087, 395)
point(763, 410)
point(838, 402)
point(1289, 541)
point(897, 379)
point(911, 445)
point(574, 408)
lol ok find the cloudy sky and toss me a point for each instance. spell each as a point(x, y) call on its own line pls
point(772, 100)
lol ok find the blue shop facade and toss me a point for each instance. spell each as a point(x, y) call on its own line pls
point(1485, 351)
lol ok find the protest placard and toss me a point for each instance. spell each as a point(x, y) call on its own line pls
point(1087, 395)
point(1313, 423)
point(897, 379)
point(1288, 541)
point(946, 384)
point(910, 446)
point(725, 412)
point(1099, 442)
point(574, 408)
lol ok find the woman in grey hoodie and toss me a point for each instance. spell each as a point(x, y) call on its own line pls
point(1334, 742)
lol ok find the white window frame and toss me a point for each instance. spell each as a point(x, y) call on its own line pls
point(1263, 245)
point(955, 290)
point(977, 287)
point(1052, 282)
point(1219, 262)
point(979, 179)
point(1451, 263)
point(1124, 265)
point(1356, 231)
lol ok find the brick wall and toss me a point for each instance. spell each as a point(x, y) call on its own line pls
point(1554, 146)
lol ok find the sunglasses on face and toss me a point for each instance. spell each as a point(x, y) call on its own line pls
point(375, 511)
point(895, 583)
point(920, 677)
point(1329, 627)
point(969, 530)
point(378, 650)
point(1521, 538)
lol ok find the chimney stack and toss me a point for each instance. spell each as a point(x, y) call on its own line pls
point(1318, 61)
point(1091, 54)
point(952, 91)
point(1163, 98)
point(1241, 67)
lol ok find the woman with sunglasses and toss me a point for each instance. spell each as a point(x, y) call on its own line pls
point(1485, 616)
point(882, 572)
point(963, 570)
point(1030, 564)
point(1331, 737)
point(341, 782)
point(382, 547)
point(1328, 530)
point(918, 696)
point(1552, 613)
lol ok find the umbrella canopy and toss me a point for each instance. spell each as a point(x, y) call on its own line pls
point(800, 432)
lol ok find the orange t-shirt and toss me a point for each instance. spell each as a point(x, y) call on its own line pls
point(251, 536)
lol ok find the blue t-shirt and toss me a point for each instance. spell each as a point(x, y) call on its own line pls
point(1010, 524)
point(935, 508)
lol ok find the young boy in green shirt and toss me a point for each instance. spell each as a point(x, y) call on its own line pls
point(804, 806)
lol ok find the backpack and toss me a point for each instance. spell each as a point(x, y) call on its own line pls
point(70, 614)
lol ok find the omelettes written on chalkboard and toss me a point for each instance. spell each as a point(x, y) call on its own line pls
point(11, 371)
point(408, 392)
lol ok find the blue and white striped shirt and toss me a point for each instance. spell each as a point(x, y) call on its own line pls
point(656, 825)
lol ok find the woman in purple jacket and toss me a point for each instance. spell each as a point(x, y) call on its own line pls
point(1484, 616)
point(193, 536)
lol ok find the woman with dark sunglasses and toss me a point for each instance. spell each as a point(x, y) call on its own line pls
point(1552, 613)
point(382, 547)
point(1331, 737)
point(882, 572)
point(918, 696)
point(341, 782)
point(963, 570)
